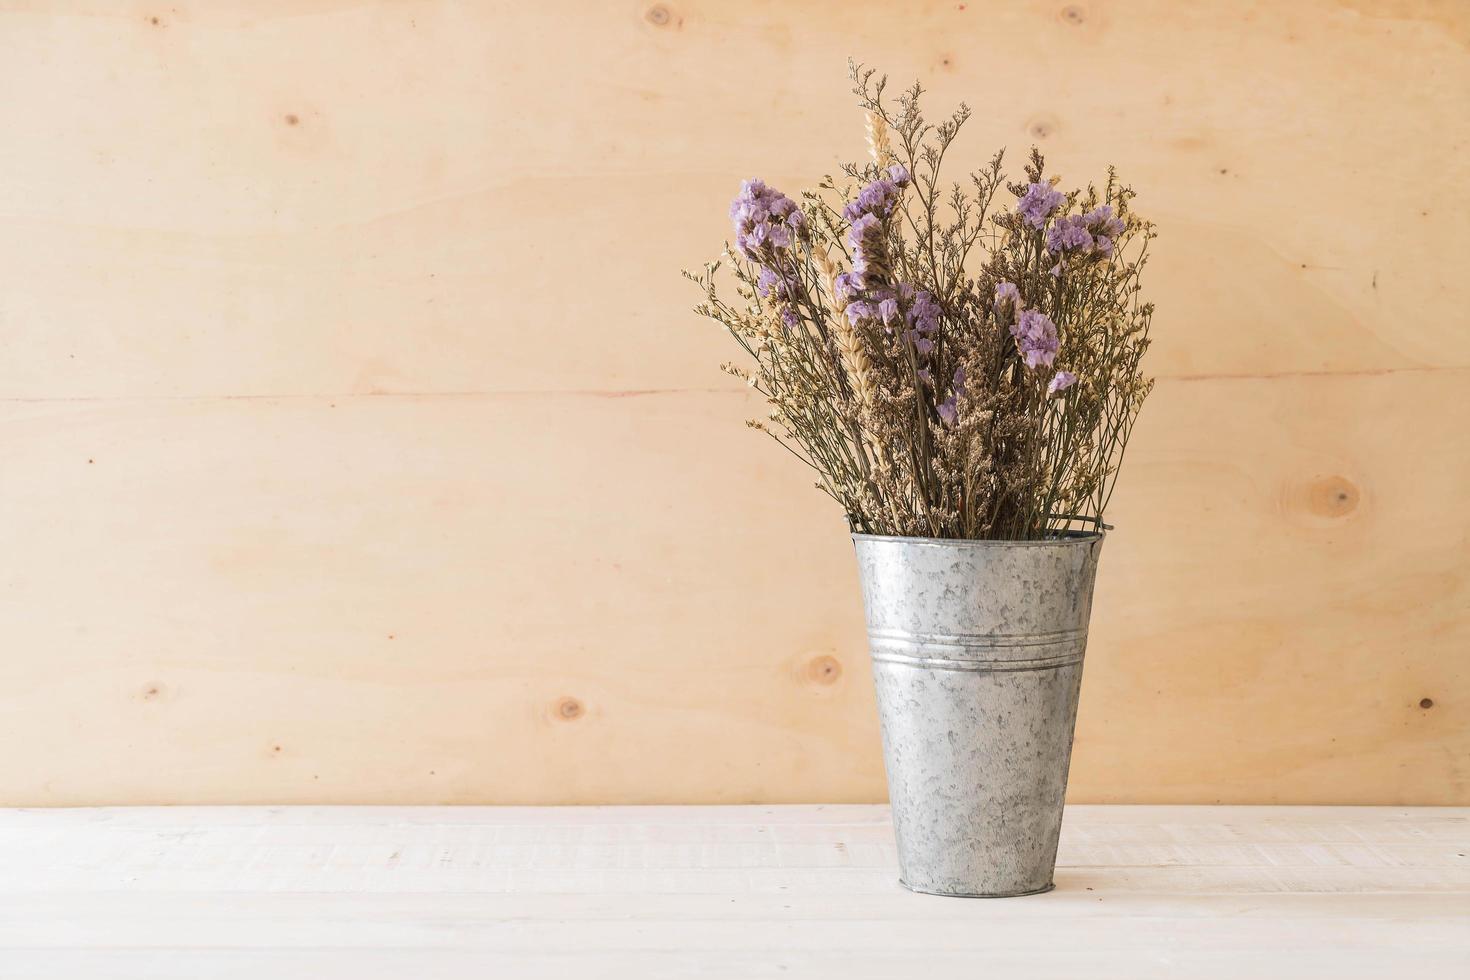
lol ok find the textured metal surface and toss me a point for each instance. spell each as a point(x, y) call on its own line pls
point(977, 655)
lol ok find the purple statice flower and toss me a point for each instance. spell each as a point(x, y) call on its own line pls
point(859, 310)
point(867, 212)
point(915, 307)
point(1068, 234)
point(768, 222)
point(1104, 229)
point(1036, 338)
point(772, 284)
point(845, 287)
point(1061, 381)
point(923, 315)
point(878, 199)
point(926, 376)
point(751, 201)
point(1100, 221)
point(1037, 204)
point(1090, 235)
point(888, 310)
point(862, 227)
point(949, 408)
point(764, 219)
point(866, 238)
point(876, 304)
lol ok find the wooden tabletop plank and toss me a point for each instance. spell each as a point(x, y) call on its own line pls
point(1142, 891)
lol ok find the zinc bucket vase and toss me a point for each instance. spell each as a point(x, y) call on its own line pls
point(977, 656)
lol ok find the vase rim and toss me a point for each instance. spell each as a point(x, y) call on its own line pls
point(1060, 540)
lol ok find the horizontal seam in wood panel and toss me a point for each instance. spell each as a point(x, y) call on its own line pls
point(488, 393)
point(651, 392)
point(1275, 375)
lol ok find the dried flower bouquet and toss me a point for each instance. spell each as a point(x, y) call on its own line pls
point(949, 369)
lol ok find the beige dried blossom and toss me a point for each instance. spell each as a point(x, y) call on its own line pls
point(854, 354)
point(877, 133)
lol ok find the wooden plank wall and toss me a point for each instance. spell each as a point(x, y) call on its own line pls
point(359, 446)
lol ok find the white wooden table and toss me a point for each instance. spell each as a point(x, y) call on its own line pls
point(650, 892)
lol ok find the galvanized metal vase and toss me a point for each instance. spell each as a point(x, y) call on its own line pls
point(977, 656)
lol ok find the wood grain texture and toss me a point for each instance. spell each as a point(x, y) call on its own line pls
point(358, 448)
point(1142, 892)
